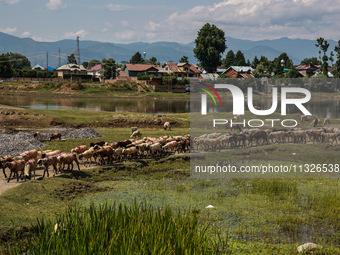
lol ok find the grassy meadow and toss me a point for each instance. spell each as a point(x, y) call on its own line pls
point(153, 206)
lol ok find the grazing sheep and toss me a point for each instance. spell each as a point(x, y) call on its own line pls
point(155, 149)
point(326, 121)
point(298, 136)
point(30, 167)
point(79, 149)
point(15, 167)
point(130, 153)
point(304, 118)
point(135, 134)
point(49, 161)
point(87, 155)
point(315, 122)
point(101, 143)
point(329, 137)
point(106, 151)
point(167, 126)
point(134, 129)
point(67, 159)
point(55, 136)
point(36, 135)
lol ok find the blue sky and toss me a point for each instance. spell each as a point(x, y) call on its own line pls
point(177, 21)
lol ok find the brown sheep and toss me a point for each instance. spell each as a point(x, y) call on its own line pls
point(49, 161)
point(30, 167)
point(67, 159)
point(55, 136)
point(15, 167)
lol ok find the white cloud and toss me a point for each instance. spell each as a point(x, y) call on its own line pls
point(26, 34)
point(117, 7)
point(125, 35)
point(55, 4)
point(9, 1)
point(8, 30)
point(124, 23)
point(152, 26)
point(81, 33)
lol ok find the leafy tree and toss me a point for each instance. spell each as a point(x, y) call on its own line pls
point(184, 59)
point(337, 63)
point(6, 68)
point(109, 68)
point(229, 59)
point(210, 44)
point(137, 58)
point(310, 61)
point(293, 73)
point(277, 65)
point(94, 62)
point(255, 62)
point(71, 59)
point(85, 64)
point(260, 71)
point(18, 61)
point(239, 59)
point(323, 45)
point(153, 61)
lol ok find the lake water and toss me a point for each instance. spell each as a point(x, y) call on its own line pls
point(319, 108)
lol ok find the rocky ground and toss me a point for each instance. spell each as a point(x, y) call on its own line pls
point(15, 142)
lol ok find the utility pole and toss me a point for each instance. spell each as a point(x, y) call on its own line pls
point(59, 64)
point(78, 52)
point(47, 61)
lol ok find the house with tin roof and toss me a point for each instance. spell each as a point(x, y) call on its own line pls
point(134, 69)
point(182, 70)
point(71, 69)
point(239, 72)
point(96, 71)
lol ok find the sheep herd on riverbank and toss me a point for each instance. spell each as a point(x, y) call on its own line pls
point(100, 153)
point(256, 137)
point(135, 147)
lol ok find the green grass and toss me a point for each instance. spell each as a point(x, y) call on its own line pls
point(121, 229)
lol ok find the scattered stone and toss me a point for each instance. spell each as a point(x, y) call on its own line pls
point(16, 142)
point(308, 247)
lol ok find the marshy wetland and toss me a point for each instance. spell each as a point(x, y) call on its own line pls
point(250, 216)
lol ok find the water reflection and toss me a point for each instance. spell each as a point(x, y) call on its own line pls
point(319, 108)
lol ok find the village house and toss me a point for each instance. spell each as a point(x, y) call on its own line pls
point(239, 72)
point(307, 70)
point(182, 70)
point(71, 69)
point(96, 71)
point(134, 69)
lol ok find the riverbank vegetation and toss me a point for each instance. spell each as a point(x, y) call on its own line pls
point(262, 216)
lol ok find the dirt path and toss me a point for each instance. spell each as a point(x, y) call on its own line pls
point(4, 185)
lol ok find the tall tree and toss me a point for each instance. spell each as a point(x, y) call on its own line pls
point(137, 58)
point(255, 62)
point(210, 44)
point(337, 63)
point(323, 45)
point(310, 61)
point(94, 62)
point(239, 59)
point(279, 66)
point(71, 59)
point(153, 61)
point(109, 66)
point(184, 59)
point(18, 61)
point(229, 59)
point(6, 68)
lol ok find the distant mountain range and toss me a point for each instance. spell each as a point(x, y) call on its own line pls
point(35, 51)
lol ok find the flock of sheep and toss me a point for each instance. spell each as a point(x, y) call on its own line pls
point(255, 137)
point(25, 164)
point(136, 147)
